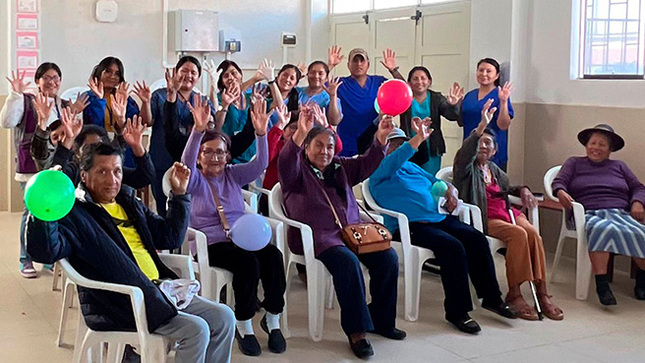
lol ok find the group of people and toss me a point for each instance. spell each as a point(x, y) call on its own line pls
point(317, 142)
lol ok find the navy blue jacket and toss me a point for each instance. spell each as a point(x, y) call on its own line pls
point(95, 247)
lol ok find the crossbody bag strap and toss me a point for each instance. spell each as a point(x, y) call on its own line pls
point(220, 209)
point(333, 210)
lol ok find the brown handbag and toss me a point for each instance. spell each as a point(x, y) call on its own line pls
point(363, 237)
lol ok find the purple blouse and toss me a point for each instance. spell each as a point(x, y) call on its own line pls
point(305, 202)
point(599, 185)
point(227, 185)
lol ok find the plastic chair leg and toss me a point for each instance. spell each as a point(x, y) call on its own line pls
point(583, 271)
point(316, 299)
point(68, 297)
point(412, 279)
point(57, 276)
point(558, 254)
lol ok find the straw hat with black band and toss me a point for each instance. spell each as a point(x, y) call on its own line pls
point(617, 142)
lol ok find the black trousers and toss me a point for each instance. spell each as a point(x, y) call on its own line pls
point(248, 269)
point(460, 250)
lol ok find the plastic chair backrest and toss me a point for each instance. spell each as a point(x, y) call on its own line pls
point(549, 176)
point(445, 174)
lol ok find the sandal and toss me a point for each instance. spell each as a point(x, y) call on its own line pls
point(549, 309)
point(521, 309)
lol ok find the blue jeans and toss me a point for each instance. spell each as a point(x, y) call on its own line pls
point(355, 315)
point(24, 256)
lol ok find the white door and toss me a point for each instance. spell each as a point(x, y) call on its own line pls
point(443, 46)
point(348, 32)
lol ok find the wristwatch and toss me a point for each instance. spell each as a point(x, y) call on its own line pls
point(220, 108)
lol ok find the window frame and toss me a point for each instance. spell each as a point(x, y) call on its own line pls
point(373, 9)
point(583, 37)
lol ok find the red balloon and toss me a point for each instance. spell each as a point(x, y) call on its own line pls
point(394, 97)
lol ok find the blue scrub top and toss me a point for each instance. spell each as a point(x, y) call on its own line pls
point(358, 108)
point(471, 109)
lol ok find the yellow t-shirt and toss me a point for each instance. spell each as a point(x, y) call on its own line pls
point(131, 236)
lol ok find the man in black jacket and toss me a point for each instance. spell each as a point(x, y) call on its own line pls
point(111, 236)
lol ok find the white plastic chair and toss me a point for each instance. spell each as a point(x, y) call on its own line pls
point(152, 347)
point(71, 93)
point(158, 84)
point(445, 174)
point(583, 263)
point(318, 278)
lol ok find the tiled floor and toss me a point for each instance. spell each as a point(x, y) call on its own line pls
point(29, 313)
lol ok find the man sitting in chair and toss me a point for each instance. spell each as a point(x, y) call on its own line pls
point(111, 236)
point(460, 249)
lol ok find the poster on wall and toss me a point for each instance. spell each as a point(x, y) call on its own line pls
point(27, 60)
point(27, 6)
point(27, 22)
point(27, 40)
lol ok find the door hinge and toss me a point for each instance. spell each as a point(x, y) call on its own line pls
point(366, 18)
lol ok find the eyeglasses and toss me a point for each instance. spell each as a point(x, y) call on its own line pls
point(46, 79)
point(209, 153)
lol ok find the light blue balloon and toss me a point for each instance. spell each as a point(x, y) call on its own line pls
point(439, 189)
point(251, 232)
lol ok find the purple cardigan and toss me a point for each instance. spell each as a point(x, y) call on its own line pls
point(228, 186)
point(599, 185)
point(305, 202)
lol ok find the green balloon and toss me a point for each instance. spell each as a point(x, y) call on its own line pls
point(49, 195)
point(376, 108)
point(439, 189)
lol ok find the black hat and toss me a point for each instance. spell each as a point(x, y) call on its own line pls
point(617, 142)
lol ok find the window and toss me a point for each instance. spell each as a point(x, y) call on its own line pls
point(354, 6)
point(612, 40)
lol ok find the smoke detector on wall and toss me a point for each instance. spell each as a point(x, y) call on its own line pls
point(106, 11)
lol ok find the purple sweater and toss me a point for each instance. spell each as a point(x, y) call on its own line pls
point(305, 202)
point(228, 186)
point(599, 185)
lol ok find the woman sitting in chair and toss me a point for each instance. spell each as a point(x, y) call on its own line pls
point(483, 183)
point(403, 186)
point(613, 199)
point(313, 177)
point(212, 184)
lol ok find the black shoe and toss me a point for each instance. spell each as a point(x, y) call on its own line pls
point(362, 348)
point(130, 356)
point(248, 345)
point(277, 344)
point(501, 309)
point(466, 324)
point(394, 334)
point(639, 289)
point(603, 290)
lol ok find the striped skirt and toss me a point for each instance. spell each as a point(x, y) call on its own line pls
point(614, 230)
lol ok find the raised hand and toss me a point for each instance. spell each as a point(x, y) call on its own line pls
point(179, 177)
point(283, 116)
point(17, 81)
point(422, 127)
point(319, 115)
point(133, 135)
point(528, 199)
point(565, 199)
point(332, 87)
point(265, 70)
point(124, 89)
point(96, 87)
point(305, 119)
point(201, 112)
point(230, 95)
point(82, 101)
point(334, 56)
point(389, 59)
point(456, 94)
point(385, 127)
point(302, 67)
point(173, 80)
point(43, 106)
point(71, 125)
point(142, 90)
point(211, 69)
point(119, 105)
point(504, 92)
point(259, 117)
point(487, 113)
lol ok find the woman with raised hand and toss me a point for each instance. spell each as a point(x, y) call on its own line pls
point(214, 181)
point(182, 82)
point(483, 183)
point(308, 170)
point(430, 105)
point(20, 114)
point(473, 103)
point(318, 91)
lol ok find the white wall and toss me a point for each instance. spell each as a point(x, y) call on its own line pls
point(548, 68)
point(136, 37)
